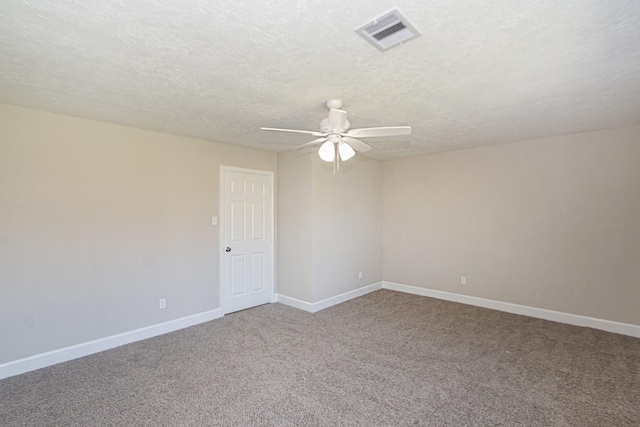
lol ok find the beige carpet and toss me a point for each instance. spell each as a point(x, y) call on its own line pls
point(385, 359)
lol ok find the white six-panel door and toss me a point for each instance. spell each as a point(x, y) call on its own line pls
point(247, 230)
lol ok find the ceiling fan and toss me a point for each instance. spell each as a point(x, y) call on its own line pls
point(338, 141)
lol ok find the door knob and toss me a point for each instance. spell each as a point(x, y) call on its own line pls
point(228, 249)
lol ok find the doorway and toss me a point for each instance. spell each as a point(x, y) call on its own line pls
point(247, 223)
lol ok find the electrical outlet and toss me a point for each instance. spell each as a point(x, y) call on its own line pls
point(162, 303)
point(360, 275)
point(463, 280)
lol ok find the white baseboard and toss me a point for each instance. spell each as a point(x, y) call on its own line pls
point(295, 303)
point(326, 303)
point(540, 313)
point(49, 358)
point(42, 360)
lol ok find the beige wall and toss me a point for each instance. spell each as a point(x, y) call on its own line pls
point(347, 226)
point(294, 224)
point(99, 221)
point(551, 223)
point(329, 226)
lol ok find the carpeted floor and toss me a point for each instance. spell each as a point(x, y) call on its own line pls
point(385, 359)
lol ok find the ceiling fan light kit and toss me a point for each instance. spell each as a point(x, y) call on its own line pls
point(338, 142)
point(327, 152)
point(346, 152)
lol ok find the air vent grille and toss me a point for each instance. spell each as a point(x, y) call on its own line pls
point(388, 30)
point(391, 30)
point(381, 24)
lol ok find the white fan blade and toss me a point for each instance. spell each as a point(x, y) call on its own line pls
point(356, 144)
point(308, 132)
point(307, 144)
point(381, 131)
point(337, 119)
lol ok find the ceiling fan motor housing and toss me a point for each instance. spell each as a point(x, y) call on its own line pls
point(325, 128)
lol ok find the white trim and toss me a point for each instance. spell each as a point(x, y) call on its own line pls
point(295, 303)
point(42, 360)
point(271, 175)
point(540, 313)
point(328, 302)
point(49, 358)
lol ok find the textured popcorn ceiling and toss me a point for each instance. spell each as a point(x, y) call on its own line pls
point(482, 73)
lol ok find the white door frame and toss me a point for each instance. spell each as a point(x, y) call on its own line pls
point(221, 245)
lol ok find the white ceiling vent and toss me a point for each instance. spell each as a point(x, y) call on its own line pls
point(388, 30)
